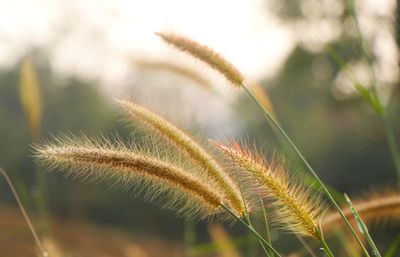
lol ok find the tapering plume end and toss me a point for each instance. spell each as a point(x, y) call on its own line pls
point(210, 170)
point(206, 55)
point(100, 160)
point(295, 206)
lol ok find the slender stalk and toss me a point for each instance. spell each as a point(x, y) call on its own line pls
point(324, 245)
point(24, 213)
point(247, 216)
point(394, 150)
point(363, 228)
point(279, 130)
point(252, 230)
point(373, 99)
point(267, 232)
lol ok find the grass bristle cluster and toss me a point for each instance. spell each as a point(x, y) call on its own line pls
point(206, 55)
point(210, 168)
point(121, 166)
point(375, 207)
point(294, 205)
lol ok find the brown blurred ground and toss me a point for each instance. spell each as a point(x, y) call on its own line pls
point(76, 239)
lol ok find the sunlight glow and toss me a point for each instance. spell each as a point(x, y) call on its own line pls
point(97, 39)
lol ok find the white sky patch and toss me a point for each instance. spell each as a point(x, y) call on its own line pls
point(98, 38)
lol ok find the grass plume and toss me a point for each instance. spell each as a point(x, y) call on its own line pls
point(204, 54)
point(184, 143)
point(294, 206)
point(101, 161)
point(30, 96)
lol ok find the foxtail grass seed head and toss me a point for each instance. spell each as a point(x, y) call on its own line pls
point(212, 171)
point(206, 55)
point(100, 161)
point(295, 207)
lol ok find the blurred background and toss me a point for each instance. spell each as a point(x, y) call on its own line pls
point(63, 62)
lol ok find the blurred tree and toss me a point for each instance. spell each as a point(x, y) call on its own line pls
point(331, 124)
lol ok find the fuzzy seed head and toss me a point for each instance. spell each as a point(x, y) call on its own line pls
point(211, 170)
point(206, 55)
point(101, 161)
point(295, 206)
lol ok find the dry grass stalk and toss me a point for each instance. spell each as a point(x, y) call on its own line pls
point(169, 132)
point(294, 206)
point(205, 54)
point(100, 161)
point(375, 207)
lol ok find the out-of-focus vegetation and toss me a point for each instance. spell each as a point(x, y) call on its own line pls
point(340, 134)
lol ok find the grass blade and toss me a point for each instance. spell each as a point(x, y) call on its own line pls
point(363, 228)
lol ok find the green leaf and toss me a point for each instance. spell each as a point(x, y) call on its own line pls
point(363, 228)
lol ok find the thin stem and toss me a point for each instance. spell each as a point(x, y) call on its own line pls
point(252, 230)
point(394, 151)
point(363, 45)
point(267, 232)
point(363, 228)
point(247, 216)
point(24, 213)
point(324, 245)
point(282, 133)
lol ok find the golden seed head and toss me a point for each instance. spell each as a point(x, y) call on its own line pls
point(211, 170)
point(102, 162)
point(295, 206)
point(206, 55)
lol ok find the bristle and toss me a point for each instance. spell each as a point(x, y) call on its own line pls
point(100, 161)
point(206, 55)
point(185, 144)
point(375, 207)
point(294, 206)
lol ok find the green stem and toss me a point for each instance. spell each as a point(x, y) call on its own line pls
point(394, 151)
point(324, 245)
point(247, 216)
point(253, 231)
point(267, 232)
point(282, 133)
point(363, 228)
point(24, 213)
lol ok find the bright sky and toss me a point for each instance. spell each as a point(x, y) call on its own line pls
point(98, 38)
